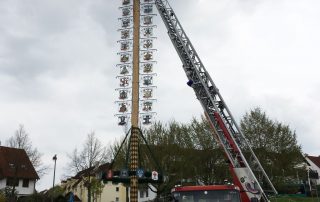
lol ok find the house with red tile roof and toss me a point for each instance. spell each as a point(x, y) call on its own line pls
point(16, 170)
point(314, 162)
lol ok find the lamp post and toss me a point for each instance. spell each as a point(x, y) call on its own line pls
point(54, 174)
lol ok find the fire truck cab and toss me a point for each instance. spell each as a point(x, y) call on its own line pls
point(209, 193)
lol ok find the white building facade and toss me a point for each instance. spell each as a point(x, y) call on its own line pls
point(24, 187)
point(314, 162)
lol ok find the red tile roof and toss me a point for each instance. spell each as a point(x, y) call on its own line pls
point(16, 163)
point(84, 173)
point(92, 170)
point(315, 160)
point(104, 167)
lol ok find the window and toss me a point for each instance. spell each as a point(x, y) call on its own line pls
point(141, 193)
point(12, 182)
point(117, 188)
point(25, 183)
point(117, 198)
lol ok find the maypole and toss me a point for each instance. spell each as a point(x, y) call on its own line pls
point(136, 65)
point(135, 102)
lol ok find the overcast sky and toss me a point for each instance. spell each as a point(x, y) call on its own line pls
point(57, 68)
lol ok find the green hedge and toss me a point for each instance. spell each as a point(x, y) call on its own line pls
point(289, 188)
point(290, 199)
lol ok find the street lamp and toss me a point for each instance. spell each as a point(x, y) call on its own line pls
point(54, 174)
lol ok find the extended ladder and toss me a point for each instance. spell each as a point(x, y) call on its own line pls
point(222, 122)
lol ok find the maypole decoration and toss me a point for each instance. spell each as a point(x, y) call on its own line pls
point(125, 66)
point(146, 63)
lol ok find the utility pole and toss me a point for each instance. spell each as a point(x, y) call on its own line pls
point(135, 102)
point(54, 175)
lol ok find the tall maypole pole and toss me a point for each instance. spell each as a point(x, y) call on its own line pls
point(136, 65)
point(135, 102)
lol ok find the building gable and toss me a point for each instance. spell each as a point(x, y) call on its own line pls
point(15, 163)
point(315, 160)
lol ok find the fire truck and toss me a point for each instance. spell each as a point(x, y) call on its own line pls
point(247, 172)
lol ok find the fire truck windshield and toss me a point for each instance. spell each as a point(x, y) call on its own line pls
point(207, 196)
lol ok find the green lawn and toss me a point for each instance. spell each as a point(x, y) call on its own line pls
point(283, 199)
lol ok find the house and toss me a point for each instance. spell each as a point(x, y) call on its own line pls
point(17, 171)
point(117, 192)
point(110, 192)
point(314, 162)
point(71, 186)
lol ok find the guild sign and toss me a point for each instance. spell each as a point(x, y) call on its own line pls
point(124, 173)
point(125, 34)
point(123, 107)
point(110, 174)
point(146, 119)
point(147, 106)
point(122, 120)
point(148, 32)
point(154, 175)
point(147, 68)
point(140, 173)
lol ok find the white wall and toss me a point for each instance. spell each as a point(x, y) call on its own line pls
point(3, 183)
point(26, 190)
point(109, 193)
point(21, 190)
point(314, 167)
point(113, 191)
point(151, 195)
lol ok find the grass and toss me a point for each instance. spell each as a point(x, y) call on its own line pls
point(288, 199)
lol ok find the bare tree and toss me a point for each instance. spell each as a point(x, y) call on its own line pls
point(21, 140)
point(93, 153)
